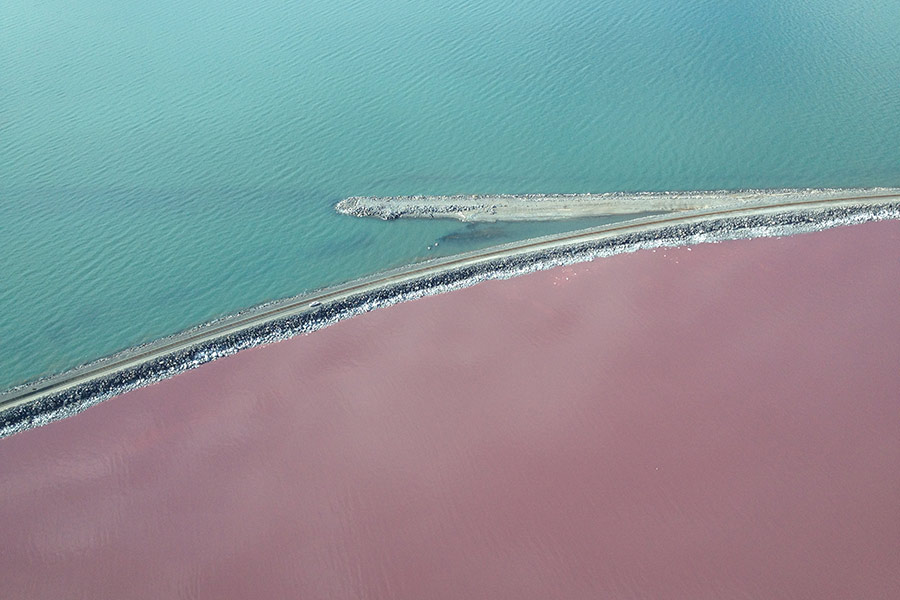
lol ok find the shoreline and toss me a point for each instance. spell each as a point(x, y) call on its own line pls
point(59, 396)
point(552, 207)
point(725, 396)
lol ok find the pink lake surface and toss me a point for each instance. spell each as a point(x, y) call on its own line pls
point(718, 422)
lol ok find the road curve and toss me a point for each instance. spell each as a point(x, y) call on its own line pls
point(65, 394)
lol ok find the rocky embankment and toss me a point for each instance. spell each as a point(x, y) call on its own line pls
point(45, 404)
point(544, 207)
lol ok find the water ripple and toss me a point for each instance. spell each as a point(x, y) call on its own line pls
point(164, 163)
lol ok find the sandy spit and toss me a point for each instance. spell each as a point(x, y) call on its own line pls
point(548, 207)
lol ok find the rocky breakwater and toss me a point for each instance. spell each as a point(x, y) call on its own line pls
point(544, 207)
point(417, 207)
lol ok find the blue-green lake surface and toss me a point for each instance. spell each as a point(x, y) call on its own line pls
point(165, 163)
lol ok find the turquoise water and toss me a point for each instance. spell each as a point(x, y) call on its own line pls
point(165, 163)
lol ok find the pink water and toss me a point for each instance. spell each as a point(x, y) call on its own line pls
point(721, 421)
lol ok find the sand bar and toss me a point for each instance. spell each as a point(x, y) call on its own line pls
point(548, 207)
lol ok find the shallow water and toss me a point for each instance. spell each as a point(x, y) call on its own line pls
point(716, 421)
point(163, 164)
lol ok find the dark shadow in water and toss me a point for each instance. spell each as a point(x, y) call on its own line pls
point(475, 232)
point(482, 235)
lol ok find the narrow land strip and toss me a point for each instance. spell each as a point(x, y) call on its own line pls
point(68, 393)
point(548, 207)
